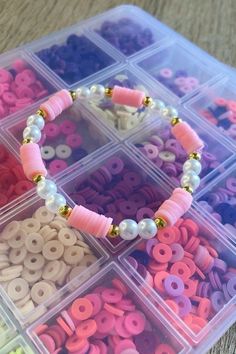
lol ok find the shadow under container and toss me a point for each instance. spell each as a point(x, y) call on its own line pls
point(189, 273)
point(160, 148)
point(22, 84)
point(217, 106)
point(19, 343)
point(117, 185)
point(156, 330)
point(50, 270)
point(177, 70)
point(68, 142)
point(7, 328)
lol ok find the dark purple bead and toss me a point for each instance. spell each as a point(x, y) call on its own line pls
point(141, 257)
point(217, 300)
point(231, 286)
point(145, 342)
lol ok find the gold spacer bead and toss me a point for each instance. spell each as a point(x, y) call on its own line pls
point(42, 113)
point(114, 231)
point(65, 211)
point(27, 141)
point(176, 120)
point(108, 91)
point(147, 101)
point(188, 189)
point(38, 178)
point(195, 156)
point(73, 95)
point(160, 223)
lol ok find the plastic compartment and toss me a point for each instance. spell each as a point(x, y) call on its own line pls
point(113, 195)
point(13, 184)
point(155, 323)
point(7, 328)
point(24, 309)
point(219, 200)
point(177, 69)
point(72, 55)
point(21, 83)
point(217, 106)
point(125, 120)
point(75, 136)
point(128, 29)
point(164, 153)
point(200, 333)
point(19, 343)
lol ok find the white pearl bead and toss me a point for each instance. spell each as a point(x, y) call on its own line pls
point(190, 179)
point(83, 93)
point(32, 132)
point(97, 92)
point(192, 165)
point(172, 112)
point(36, 119)
point(147, 228)
point(45, 188)
point(128, 229)
point(54, 202)
point(157, 105)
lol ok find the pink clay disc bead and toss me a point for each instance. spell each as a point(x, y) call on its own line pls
point(32, 161)
point(187, 137)
point(125, 96)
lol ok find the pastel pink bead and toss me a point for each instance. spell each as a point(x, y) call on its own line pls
point(32, 161)
point(182, 197)
point(126, 96)
point(187, 137)
point(89, 221)
point(56, 104)
point(65, 97)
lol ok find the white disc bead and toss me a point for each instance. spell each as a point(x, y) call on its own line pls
point(192, 165)
point(190, 179)
point(32, 132)
point(147, 228)
point(54, 202)
point(128, 229)
point(45, 188)
point(36, 119)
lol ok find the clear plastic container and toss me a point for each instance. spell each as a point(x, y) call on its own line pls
point(161, 331)
point(33, 264)
point(19, 343)
point(7, 328)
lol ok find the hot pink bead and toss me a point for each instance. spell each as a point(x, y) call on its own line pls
point(167, 73)
point(187, 137)
point(5, 76)
point(89, 221)
point(125, 96)
point(19, 65)
point(32, 161)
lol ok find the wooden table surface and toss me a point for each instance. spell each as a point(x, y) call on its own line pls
point(211, 24)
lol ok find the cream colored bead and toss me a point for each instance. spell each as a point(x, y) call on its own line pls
point(4, 247)
point(3, 258)
point(76, 271)
point(51, 270)
point(31, 276)
point(31, 225)
point(88, 260)
point(9, 277)
point(17, 289)
point(73, 255)
point(44, 230)
point(18, 240)
point(17, 255)
point(4, 265)
point(41, 291)
point(52, 235)
point(43, 215)
point(34, 242)
point(64, 271)
point(57, 224)
point(10, 230)
point(38, 312)
point(53, 250)
point(82, 244)
point(15, 269)
point(34, 261)
point(78, 235)
point(67, 237)
point(27, 308)
point(23, 301)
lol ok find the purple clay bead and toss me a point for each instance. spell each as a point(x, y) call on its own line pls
point(213, 199)
point(144, 213)
point(170, 169)
point(217, 300)
point(180, 73)
point(157, 141)
point(231, 286)
point(200, 288)
point(174, 285)
point(128, 208)
point(206, 290)
point(231, 184)
point(220, 266)
point(142, 270)
point(203, 204)
point(210, 267)
point(145, 342)
point(137, 199)
point(226, 293)
point(158, 162)
point(150, 244)
point(132, 261)
point(226, 191)
point(217, 280)
point(217, 216)
point(177, 252)
point(132, 178)
point(115, 165)
point(212, 280)
point(184, 304)
point(208, 157)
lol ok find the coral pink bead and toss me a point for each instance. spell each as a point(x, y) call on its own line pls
point(89, 221)
point(187, 137)
point(125, 96)
point(32, 161)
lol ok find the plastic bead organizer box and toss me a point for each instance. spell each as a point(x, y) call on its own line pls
point(85, 295)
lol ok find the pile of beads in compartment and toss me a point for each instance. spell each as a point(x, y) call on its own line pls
point(75, 59)
point(13, 182)
point(121, 117)
point(39, 255)
point(179, 82)
point(20, 86)
point(105, 320)
point(119, 191)
point(168, 155)
point(187, 272)
point(222, 113)
point(221, 203)
point(126, 35)
point(17, 350)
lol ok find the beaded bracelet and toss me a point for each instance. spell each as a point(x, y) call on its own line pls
point(84, 219)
